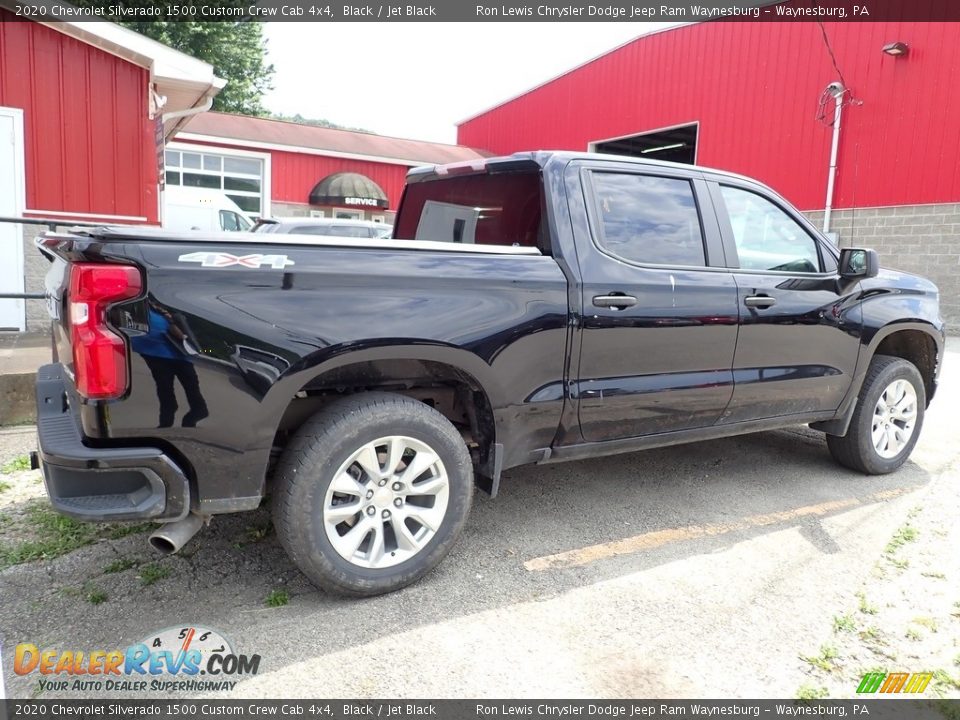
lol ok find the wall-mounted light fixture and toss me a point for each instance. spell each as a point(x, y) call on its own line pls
point(896, 49)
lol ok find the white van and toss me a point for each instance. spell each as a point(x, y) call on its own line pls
point(189, 208)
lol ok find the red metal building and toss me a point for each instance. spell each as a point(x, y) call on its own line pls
point(745, 96)
point(88, 107)
point(752, 89)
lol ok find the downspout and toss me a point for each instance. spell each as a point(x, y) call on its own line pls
point(837, 90)
point(189, 112)
point(177, 115)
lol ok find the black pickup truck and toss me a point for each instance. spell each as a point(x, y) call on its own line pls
point(529, 309)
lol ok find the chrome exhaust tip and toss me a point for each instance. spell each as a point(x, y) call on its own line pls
point(171, 537)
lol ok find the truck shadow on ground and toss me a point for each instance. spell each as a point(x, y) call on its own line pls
point(223, 577)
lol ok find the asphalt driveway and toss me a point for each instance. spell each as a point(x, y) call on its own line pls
point(704, 570)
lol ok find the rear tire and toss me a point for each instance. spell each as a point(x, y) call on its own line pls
point(887, 421)
point(346, 509)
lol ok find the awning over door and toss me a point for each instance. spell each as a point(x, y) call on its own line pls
point(347, 189)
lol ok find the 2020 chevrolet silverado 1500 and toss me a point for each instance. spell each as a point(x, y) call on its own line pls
point(534, 308)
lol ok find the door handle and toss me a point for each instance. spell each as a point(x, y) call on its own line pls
point(617, 302)
point(759, 301)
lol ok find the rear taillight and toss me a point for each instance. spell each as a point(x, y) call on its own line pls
point(99, 354)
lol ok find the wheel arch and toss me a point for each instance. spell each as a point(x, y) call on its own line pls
point(454, 381)
point(916, 342)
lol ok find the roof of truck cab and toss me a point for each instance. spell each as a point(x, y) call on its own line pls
point(542, 157)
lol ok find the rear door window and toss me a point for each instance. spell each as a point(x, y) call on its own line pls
point(648, 219)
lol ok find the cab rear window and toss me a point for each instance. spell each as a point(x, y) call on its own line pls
point(481, 209)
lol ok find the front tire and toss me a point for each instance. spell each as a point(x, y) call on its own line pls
point(886, 423)
point(372, 493)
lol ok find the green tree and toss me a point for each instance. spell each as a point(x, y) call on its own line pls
point(236, 50)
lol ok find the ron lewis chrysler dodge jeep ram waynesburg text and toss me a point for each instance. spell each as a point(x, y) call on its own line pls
point(529, 309)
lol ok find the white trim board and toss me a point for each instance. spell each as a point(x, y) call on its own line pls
point(19, 202)
point(85, 216)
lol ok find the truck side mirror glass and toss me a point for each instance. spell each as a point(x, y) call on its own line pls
point(858, 263)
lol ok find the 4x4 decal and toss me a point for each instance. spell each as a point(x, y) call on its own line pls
point(221, 259)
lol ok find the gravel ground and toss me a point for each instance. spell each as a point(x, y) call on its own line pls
point(709, 570)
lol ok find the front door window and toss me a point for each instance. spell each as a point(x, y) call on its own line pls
point(766, 237)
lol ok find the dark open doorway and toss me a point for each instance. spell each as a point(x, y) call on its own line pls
point(676, 144)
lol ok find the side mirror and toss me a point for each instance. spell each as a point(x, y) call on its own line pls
point(858, 263)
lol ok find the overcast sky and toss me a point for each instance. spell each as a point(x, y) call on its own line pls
point(416, 80)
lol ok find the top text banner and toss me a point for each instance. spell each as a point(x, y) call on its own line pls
point(488, 10)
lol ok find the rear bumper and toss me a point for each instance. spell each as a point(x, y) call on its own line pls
point(101, 484)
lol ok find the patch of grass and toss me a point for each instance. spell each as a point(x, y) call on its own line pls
point(928, 622)
point(865, 607)
point(4, 486)
point(94, 595)
point(901, 537)
point(899, 564)
point(936, 575)
point(942, 680)
point(277, 598)
point(254, 534)
point(844, 623)
point(119, 565)
point(53, 535)
point(89, 592)
point(121, 531)
point(257, 533)
point(872, 634)
point(56, 535)
point(824, 659)
point(913, 634)
point(151, 573)
point(18, 464)
point(808, 692)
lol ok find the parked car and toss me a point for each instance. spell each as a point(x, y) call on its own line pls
point(324, 226)
point(593, 305)
point(190, 208)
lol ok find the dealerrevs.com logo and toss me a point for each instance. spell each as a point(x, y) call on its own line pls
point(177, 659)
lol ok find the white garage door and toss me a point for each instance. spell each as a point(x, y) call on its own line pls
point(12, 315)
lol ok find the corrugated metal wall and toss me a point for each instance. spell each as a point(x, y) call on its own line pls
point(89, 142)
point(294, 175)
point(754, 87)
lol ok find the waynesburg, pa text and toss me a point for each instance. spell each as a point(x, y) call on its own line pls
point(643, 12)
